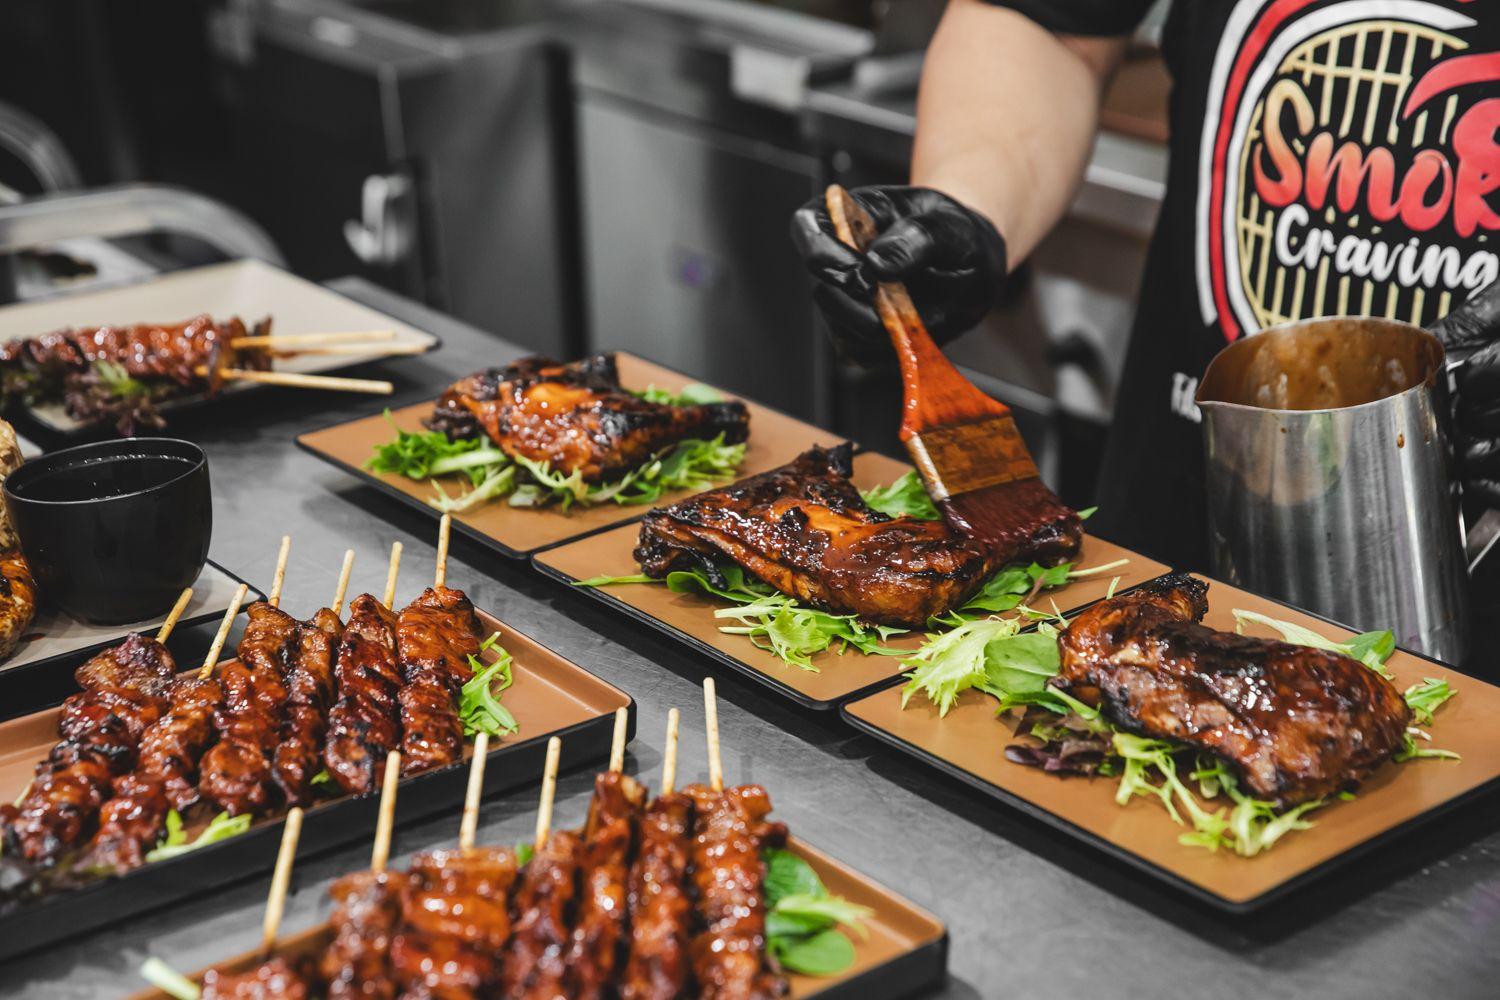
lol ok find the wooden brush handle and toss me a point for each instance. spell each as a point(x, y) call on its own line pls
point(936, 393)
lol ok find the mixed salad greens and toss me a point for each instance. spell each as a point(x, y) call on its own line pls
point(693, 464)
point(803, 919)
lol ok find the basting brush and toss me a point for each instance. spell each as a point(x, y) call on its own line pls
point(964, 443)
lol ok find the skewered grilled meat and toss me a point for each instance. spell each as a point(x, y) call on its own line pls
point(365, 724)
point(661, 912)
point(435, 636)
point(576, 417)
point(534, 967)
point(805, 530)
point(17, 588)
point(1296, 723)
point(730, 832)
point(101, 729)
point(599, 927)
point(357, 965)
point(236, 773)
point(299, 754)
point(455, 923)
point(274, 979)
point(129, 825)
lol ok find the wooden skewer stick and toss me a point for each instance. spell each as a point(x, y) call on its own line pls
point(280, 879)
point(373, 350)
point(549, 791)
point(381, 852)
point(391, 572)
point(183, 599)
point(617, 740)
point(276, 581)
point(445, 528)
point(711, 724)
point(302, 380)
point(470, 822)
point(343, 587)
point(669, 758)
point(309, 339)
point(212, 659)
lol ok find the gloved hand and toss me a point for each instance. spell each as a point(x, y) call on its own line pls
point(951, 259)
point(1473, 329)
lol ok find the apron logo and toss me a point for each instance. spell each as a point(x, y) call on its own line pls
point(1349, 163)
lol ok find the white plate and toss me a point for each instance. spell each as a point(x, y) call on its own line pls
point(248, 289)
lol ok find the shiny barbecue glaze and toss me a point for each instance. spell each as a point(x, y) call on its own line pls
point(130, 825)
point(599, 927)
point(455, 923)
point(1297, 723)
point(534, 967)
point(661, 911)
point(365, 724)
point(236, 774)
point(357, 965)
point(17, 597)
point(730, 832)
point(275, 979)
point(145, 350)
point(298, 756)
point(101, 729)
point(435, 636)
point(805, 530)
point(576, 417)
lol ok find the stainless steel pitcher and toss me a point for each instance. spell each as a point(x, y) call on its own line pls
point(1329, 477)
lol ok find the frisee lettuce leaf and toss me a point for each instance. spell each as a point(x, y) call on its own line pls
point(479, 700)
point(221, 827)
point(907, 496)
point(169, 980)
point(1370, 648)
point(803, 919)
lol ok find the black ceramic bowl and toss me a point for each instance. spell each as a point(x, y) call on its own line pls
point(113, 531)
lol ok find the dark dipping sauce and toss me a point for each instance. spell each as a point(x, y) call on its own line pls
point(105, 478)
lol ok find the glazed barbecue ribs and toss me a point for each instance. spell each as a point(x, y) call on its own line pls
point(805, 530)
point(576, 417)
point(1297, 723)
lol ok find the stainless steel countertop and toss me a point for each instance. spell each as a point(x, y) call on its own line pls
point(1028, 912)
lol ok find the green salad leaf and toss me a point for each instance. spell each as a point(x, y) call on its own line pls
point(906, 496)
point(432, 453)
point(479, 700)
point(169, 980)
point(221, 827)
point(119, 381)
point(692, 394)
point(1370, 648)
point(803, 919)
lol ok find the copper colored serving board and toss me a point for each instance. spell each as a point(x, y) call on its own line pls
point(551, 696)
point(906, 950)
point(689, 618)
point(969, 744)
point(775, 439)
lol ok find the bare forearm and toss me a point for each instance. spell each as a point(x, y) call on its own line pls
point(1007, 115)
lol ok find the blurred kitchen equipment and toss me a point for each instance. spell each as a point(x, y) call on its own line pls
point(1329, 477)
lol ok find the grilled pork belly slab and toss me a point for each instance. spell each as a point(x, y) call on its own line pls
point(1297, 723)
point(576, 417)
point(805, 530)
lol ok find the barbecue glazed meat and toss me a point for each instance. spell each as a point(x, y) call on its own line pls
point(1297, 723)
point(730, 832)
point(357, 965)
point(299, 755)
point(130, 824)
point(274, 979)
point(145, 351)
point(805, 530)
point(576, 417)
point(661, 912)
point(534, 967)
point(236, 774)
point(599, 926)
point(17, 588)
point(435, 636)
point(101, 729)
point(365, 724)
point(455, 923)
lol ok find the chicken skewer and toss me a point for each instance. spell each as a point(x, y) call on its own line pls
point(534, 965)
point(123, 695)
point(365, 723)
point(235, 774)
point(661, 911)
point(165, 774)
point(730, 832)
point(436, 634)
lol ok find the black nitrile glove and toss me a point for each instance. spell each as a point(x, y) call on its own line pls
point(951, 259)
point(1473, 330)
